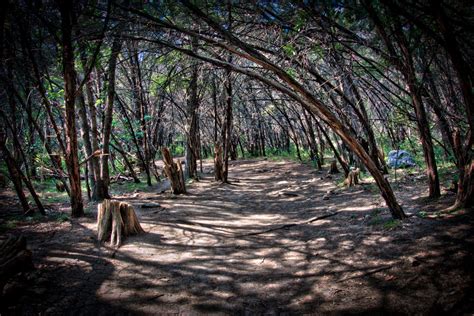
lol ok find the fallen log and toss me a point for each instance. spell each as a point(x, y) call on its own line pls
point(116, 219)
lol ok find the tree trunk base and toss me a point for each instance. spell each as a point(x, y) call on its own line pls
point(174, 172)
point(352, 178)
point(115, 220)
point(218, 163)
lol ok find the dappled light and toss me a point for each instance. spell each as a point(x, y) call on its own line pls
point(236, 157)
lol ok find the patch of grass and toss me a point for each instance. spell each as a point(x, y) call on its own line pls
point(61, 217)
point(130, 186)
point(422, 214)
point(375, 212)
point(376, 220)
point(392, 224)
point(56, 197)
point(8, 225)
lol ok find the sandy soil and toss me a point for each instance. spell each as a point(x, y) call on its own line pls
point(225, 249)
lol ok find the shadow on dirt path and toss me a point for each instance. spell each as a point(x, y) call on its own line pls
point(226, 249)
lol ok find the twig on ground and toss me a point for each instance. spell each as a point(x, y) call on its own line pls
point(313, 219)
point(365, 274)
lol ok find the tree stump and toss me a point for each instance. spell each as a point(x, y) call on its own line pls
point(352, 178)
point(174, 172)
point(116, 219)
point(14, 258)
point(218, 164)
point(333, 169)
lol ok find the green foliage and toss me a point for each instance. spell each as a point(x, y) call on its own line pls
point(376, 219)
point(8, 225)
point(289, 49)
point(130, 186)
point(177, 150)
point(61, 217)
point(392, 224)
point(422, 214)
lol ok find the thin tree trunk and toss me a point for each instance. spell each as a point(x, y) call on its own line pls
point(192, 132)
point(122, 152)
point(69, 73)
point(14, 176)
point(103, 190)
point(85, 133)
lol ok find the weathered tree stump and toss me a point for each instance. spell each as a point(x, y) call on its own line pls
point(352, 178)
point(14, 258)
point(218, 164)
point(333, 169)
point(174, 172)
point(116, 219)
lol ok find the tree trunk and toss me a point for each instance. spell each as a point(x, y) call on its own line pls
point(103, 190)
point(227, 128)
point(352, 178)
point(404, 64)
point(12, 163)
point(192, 131)
point(116, 219)
point(425, 133)
point(174, 172)
point(85, 133)
point(122, 152)
point(14, 176)
point(218, 164)
point(69, 73)
point(465, 192)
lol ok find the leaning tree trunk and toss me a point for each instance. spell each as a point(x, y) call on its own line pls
point(174, 172)
point(465, 164)
point(115, 220)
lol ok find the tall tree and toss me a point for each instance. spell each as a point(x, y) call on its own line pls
point(69, 74)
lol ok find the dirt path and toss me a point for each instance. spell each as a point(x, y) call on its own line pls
point(205, 253)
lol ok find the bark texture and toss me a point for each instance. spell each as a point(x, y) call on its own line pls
point(174, 172)
point(116, 219)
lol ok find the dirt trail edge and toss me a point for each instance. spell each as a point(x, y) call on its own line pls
point(281, 239)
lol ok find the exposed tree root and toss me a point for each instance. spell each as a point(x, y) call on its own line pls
point(313, 219)
point(116, 219)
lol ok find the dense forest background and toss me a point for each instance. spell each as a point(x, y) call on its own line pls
point(92, 90)
point(240, 157)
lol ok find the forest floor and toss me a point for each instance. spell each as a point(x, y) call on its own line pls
point(282, 238)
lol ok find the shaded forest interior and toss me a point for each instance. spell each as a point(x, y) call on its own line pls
point(204, 133)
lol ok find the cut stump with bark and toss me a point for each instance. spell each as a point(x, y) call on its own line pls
point(116, 219)
point(174, 172)
point(14, 258)
point(352, 178)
